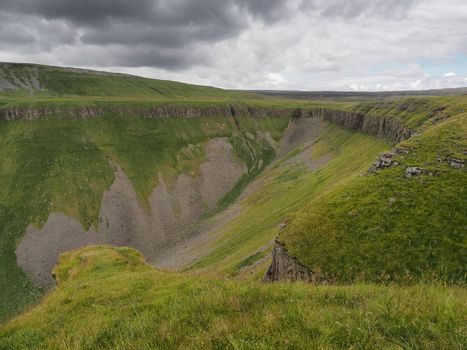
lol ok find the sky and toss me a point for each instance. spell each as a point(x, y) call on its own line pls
point(356, 45)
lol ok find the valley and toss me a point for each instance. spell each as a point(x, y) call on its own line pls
point(127, 202)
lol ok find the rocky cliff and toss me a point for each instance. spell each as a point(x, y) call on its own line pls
point(388, 128)
point(75, 113)
point(384, 127)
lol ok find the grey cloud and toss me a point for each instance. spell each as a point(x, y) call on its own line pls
point(160, 33)
point(175, 59)
point(357, 8)
point(268, 10)
point(83, 11)
point(301, 44)
point(160, 11)
point(30, 33)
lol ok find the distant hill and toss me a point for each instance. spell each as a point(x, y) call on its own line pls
point(60, 81)
point(359, 94)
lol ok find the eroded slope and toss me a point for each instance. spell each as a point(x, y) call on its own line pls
point(116, 180)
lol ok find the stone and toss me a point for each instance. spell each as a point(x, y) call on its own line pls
point(413, 171)
point(401, 151)
point(456, 163)
point(384, 161)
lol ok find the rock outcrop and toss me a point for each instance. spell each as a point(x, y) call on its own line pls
point(388, 128)
point(455, 163)
point(75, 113)
point(385, 160)
point(413, 171)
point(287, 268)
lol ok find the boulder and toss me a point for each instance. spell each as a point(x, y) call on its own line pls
point(384, 161)
point(456, 163)
point(413, 171)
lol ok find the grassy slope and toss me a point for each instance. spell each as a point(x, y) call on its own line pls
point(284, 189)
point(62, 82)
point(63, 88)
point(386, 227)
point(59, 165)
point(92, 309)
point(413, 112)
point(241, 242)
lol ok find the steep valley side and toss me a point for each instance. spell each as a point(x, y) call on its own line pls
point(313, 157)
point(123, 221)
point(150, 178)
point(116, 180)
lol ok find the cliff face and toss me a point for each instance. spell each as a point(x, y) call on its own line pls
point(388, 128)
point(286, 268)
point(20, 113)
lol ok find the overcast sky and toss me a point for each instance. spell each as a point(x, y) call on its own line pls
point(248, 44)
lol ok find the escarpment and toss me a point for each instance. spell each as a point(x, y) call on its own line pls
point(388, 128)
point(76, 113)
point(385, 127)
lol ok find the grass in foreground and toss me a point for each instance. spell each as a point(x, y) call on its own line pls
point(108, 298)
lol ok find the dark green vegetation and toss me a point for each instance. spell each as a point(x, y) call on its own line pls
point(92, 309)
point(387, 227)
point(408, 235)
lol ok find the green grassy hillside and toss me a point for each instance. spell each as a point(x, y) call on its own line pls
point(413, 112)
point(30, 79)
point(387, 227)
point(25, 85)
point(92, 309)
point(288, 186)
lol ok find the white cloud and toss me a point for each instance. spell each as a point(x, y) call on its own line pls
point(449, 75)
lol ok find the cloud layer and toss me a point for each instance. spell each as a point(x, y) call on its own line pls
point(295, 44)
